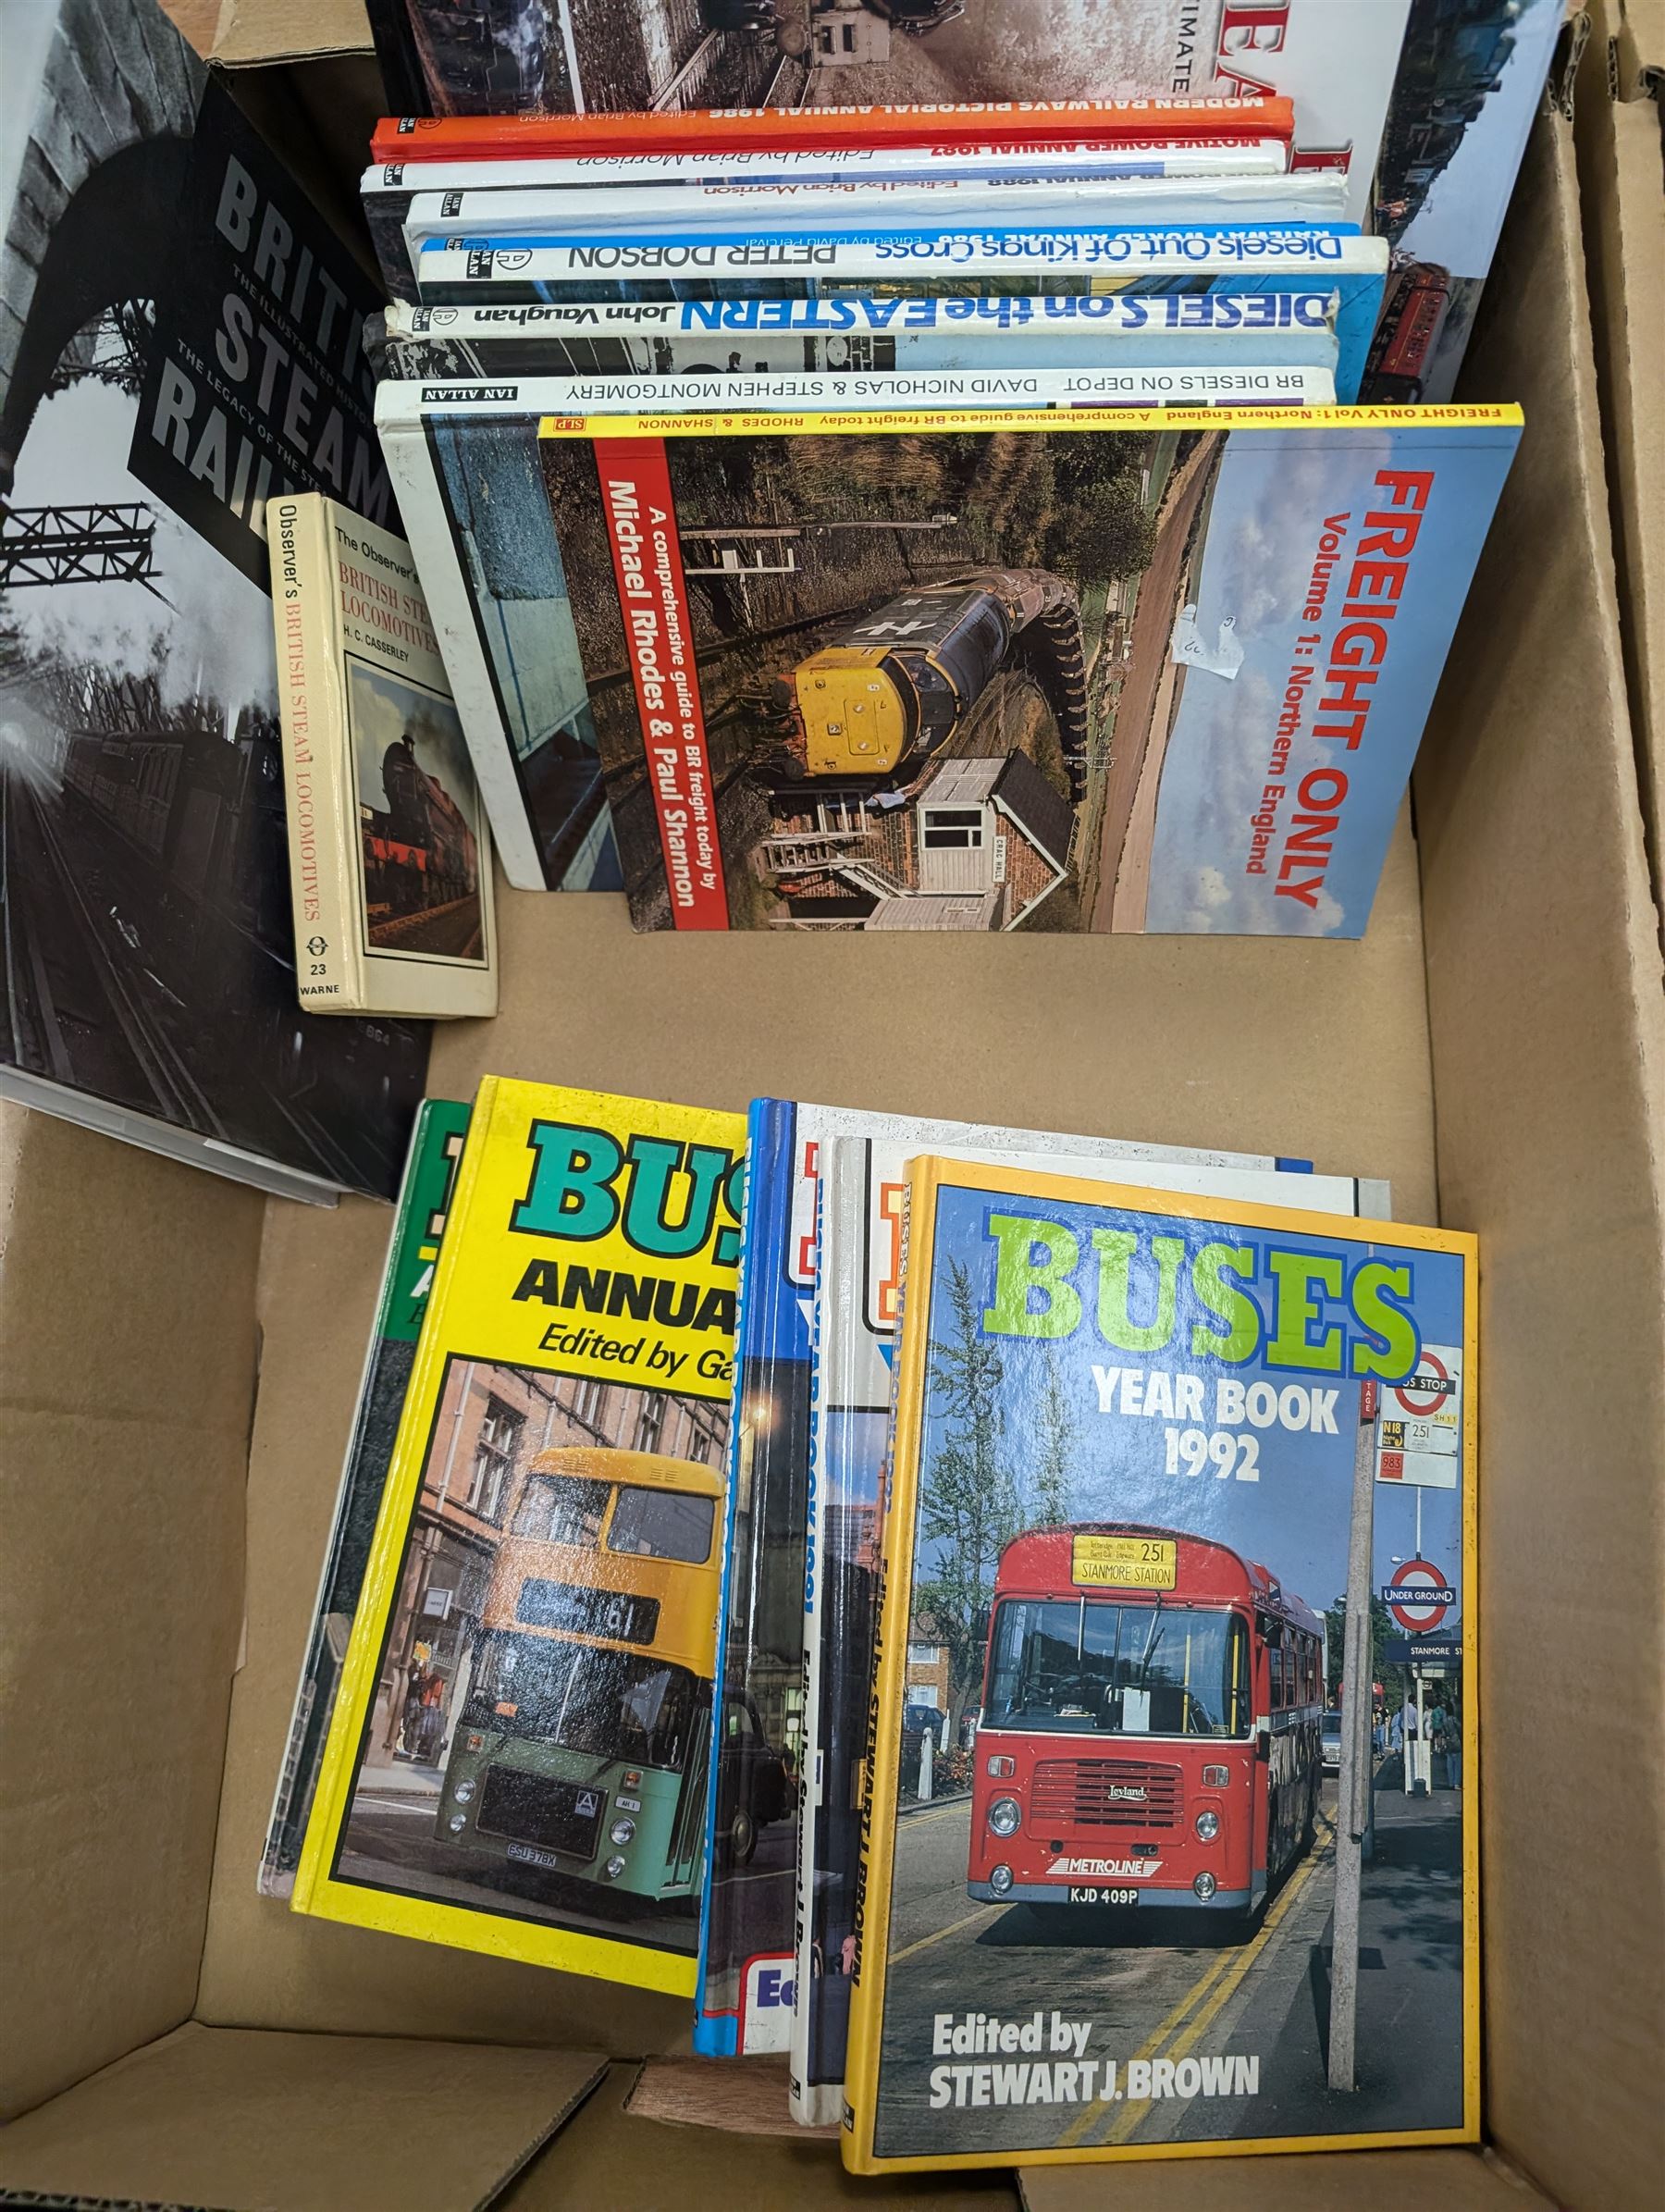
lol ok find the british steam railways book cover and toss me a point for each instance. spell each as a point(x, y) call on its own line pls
point(1094, 670)
point(1167, 1530)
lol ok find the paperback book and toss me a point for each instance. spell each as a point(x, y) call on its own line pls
point(389, 860)
point(150, 978)
point(861, 332)
point(1137, 1927)
point(1082, 670)
point(520, 1751)
point(418, 1225)
point(863, 1187)
point(752, 1997)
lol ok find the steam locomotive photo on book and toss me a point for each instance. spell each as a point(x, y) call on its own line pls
point(421, 842)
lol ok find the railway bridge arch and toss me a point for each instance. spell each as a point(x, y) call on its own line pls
point(115, 104)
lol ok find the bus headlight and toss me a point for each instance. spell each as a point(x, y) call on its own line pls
point(1205, 1886)
point(1000, 1880)
point(464, 1790)
point(458, 1821)
point(1005, 1816)
point(614, 1868)
point(622, 1831)
point(1207, 1825)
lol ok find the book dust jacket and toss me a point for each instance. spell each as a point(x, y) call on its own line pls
point(520, 1751)
point(1182, 1522)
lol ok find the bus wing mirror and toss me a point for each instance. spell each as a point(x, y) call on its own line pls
point(1263, 1744)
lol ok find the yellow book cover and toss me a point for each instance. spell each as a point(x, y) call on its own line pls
point(518, 1757)
point(1169, 1839)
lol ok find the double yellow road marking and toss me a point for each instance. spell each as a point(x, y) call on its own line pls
point(1197, 2011)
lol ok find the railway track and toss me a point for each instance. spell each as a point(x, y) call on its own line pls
point(77, 1005)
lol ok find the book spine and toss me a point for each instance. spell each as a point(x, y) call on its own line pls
point(813, 2104)
point(893, 1608)
point(1141, 382)
point(332, 1797)
point(740, 130)
point(451, 609)
point(323, 836)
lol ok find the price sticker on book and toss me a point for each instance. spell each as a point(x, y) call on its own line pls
point(1128, 1562)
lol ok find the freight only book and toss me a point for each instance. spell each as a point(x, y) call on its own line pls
point(1139, 1919)
point(520, 1751)
point(1088, 670)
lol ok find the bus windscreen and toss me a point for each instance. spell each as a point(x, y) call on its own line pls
point(603, 1704)
point(1082, 1665)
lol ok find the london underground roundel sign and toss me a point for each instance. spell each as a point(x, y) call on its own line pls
point(1419, 1596)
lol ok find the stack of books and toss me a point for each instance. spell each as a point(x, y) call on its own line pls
point(903, 1585)
point(914, 495)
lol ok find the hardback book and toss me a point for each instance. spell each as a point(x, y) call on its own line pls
point(752, 1998)
point(863, 1187)
point(862, 332)
point(387, 189)
point(998, 264)
point(1471, 78)
point(418, 1224)
point(519, 1755)
point(180, 343)
point(546, 215)
point(1335, 60)
point(1149, 378)
point(1087, 670)
point(591, 128)
point(1148, 1530)
point(389, 858)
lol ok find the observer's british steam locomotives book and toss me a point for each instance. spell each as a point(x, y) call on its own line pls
point(769, 1744)
point(519, 1754)
point(1144, 1531)
point(180, 343)
point(1085, 669)
point(863, 1187)
point(418, 1224)
point(389, 860)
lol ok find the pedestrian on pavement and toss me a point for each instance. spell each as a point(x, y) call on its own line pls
point(411, 1725)
point(1396, 1729)
point(431, 1721)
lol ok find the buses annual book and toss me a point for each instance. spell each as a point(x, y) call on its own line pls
point(389, 858)
point(1086, 670)
point(1157, 1526)
point(519, 1755)
point(862, 1182)
point(413, 1251)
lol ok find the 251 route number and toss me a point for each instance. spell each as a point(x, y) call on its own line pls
point(1191, 1451)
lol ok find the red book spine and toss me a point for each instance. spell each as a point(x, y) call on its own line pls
point(821, 129)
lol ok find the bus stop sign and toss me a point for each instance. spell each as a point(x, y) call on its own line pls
point(1419, 1596)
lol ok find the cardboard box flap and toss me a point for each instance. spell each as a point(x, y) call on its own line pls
point(610, 2158)
point(249, 2121)
point(252, 33)
point(1362, 2180)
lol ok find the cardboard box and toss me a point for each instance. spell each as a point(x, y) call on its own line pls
point(178, 1363)
point(1620, 128)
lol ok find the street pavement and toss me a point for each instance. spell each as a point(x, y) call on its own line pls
point(1171, 1985)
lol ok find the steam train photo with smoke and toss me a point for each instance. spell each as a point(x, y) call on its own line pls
point(420, 852)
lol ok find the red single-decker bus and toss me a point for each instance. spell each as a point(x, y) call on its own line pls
point(1149, 1732)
